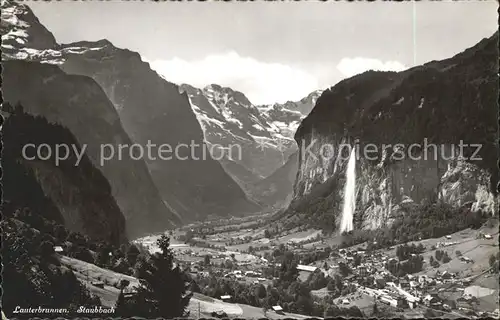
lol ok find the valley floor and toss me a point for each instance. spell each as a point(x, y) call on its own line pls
point(247, 246)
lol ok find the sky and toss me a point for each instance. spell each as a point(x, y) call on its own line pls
point(274, 51)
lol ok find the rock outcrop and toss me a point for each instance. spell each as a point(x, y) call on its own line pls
point(439, 106)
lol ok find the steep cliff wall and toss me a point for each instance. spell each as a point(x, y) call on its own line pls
point(79, 104)
point(444, 103)
point(78, 196)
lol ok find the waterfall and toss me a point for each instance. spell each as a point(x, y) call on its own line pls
point(349, 194)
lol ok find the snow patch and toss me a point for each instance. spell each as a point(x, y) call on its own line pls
point(421, 103)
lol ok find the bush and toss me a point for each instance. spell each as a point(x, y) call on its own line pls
point(433, 262)
point(331, 286)
point(439, 255)
point(446, 258)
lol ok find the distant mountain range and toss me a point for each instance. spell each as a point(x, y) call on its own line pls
point(78, 197)
point(263, 133)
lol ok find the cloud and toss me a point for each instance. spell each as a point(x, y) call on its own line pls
point(352, 66)
point(261, 82)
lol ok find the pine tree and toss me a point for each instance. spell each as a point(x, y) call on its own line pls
point(375, 309)
point(121, 309)
point(163, 288)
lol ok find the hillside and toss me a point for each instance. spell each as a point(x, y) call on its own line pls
point(442, 102)
point(77, 196)
point(153, 111)
point(31, 77)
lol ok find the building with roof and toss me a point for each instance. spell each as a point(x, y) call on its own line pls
point(302, 267)
point(225, 297)
point(277, 309)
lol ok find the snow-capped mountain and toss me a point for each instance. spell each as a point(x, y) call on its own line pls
point(109, 95)
point(250, 141)
point(31, 76)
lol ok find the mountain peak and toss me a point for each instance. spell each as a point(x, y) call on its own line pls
point(22, 33)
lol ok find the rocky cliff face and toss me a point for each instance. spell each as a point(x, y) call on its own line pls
point(441, 103)
point(153, 111)
point(32, 77)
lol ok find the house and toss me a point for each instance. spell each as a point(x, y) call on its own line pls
point(412, 304)
point(349, 278)
point(225, 298)
point(98, 284)
point(448, 237)
point(422, 278)
point(58, 249)
point(488, 236)
point(389, 300)
point(301, 267)
point(345, 301)
point(250, 274)
point(466, 259)
point(277, 309)
point(430, 300)
point(362, 271)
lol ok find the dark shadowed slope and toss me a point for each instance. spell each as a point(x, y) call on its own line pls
point(31, 76)
point(77, 196)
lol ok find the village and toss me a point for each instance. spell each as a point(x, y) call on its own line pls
point(454, 289)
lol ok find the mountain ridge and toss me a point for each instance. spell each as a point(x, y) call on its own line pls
point(32, 77)
point(76, 196)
